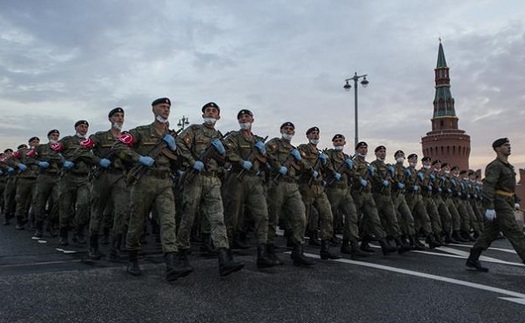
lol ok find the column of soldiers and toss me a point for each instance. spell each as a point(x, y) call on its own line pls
point(228, 185)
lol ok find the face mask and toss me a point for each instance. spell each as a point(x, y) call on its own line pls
point(447, 172)
point(412, 164)
point(339, 147)
point(80, 136)
point(426, 166)
point(51, 141)
point(210, 121)
point(361, 155)
point(380, 159)
point(161, 119)
point(314, 141)
point(245, 125)
point(287, 136)
point(400, 160)
point(117, 126)
point(456, 175)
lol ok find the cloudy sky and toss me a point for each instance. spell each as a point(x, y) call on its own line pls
point(62, 60)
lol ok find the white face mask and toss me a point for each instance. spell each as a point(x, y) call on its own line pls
point(361, 155)
point(412, 164)
point(51, 141)
point(314, 141)
point(210, 121)
point(287, 136)
point(447, 172)
point(245, 125)
point(426, 166)
point(80, 136)
point(339, 147)
point(161, 119)
point(117, 126)
point(400, 160)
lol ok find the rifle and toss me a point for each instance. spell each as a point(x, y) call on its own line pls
point(314, 169)
point(290, 161)
point(255, 154)
point(339, 170)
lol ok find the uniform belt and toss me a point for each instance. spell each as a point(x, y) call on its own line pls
point(504, 193)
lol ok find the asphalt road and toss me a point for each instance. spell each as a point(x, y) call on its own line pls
point(40, 284)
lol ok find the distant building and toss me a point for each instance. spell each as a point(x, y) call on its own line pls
point(445, 142)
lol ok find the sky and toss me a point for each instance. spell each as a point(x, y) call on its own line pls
point(62, 61)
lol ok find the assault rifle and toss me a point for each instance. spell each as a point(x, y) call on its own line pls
point(339, 169)
point(256, 154)
point(289, 162)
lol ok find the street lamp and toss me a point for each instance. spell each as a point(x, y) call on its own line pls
point(183, 123)
point(347, 87)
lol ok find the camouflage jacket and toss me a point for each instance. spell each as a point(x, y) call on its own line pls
point(193, 142)
point(278, 154)
point(499, 176)
point(240, 147)
point(46, 153)
point(337, 159)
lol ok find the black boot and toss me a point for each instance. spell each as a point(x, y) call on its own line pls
point(116, 243)
point(133, 264)
point(365, 246)
point(184, 259)
point(314, 239)
point(386, 247)
point(438, 239)
point(19, 223)
point(355, 252)
point(263, 259)
point(431, 241)
point(63, 237)
point(415, 244)
point(94, 252)
point(345, 247)
point(39, 230)
point(226, 263)
point(105, 237)
point(51, 229)
point(449, 238)
point(79, 237)
point(325, 251)
point(270, 251)
point(206, 247)
point(298, 257)
point(335, 240)
point(473, 260)
point(402, 246)
point(237, 243)
point(175, 268)
point(457, 235)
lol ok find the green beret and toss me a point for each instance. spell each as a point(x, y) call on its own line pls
point(116, 110)
point(499, 142)
point(79, 122)
point(426, 158)
point(161, 100)
point(412, 156)
point(33, 138)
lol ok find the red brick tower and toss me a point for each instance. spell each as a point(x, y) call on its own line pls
point(445, 142)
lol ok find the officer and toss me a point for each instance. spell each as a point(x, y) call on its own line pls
point(499, 201)
point(109, 188)
point(284, 198)
point(151, 187)
point(316, 168)
point(338, 193)
point(202, 151)
point(49, 162)
point(243, 186)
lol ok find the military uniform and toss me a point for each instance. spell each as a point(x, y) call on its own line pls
point(424, 176)
point(25, 185)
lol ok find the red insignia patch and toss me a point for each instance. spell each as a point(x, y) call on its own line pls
point(31, 153)
point(127, 139)
point(16, 154)
point(88, 143)
point(57, 146)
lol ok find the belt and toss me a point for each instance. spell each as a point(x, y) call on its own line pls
point(504, 193)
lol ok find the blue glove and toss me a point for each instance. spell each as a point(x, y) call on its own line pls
point(1, 172)
point(459, 194)
point(386, 183)
point(283, 170)
point(349, 163)
point(416, 188)
point(440, 190)
point(146, 161)
point(22, 167)
point(315, 174)
point(337, 176)
point(104, 163)
point(432, 176)
point(246, 164)
point(408, 172)
point(364, 183)
point(68, 164)
point(490, 214)
point(421, 176)
point(198, 166)
point(323, 158)
point(10, 170)
point(218, 146)
point(43, 164)
point(391, 170)
point(429, 188)
point(371, 170)
point(170, 141)
point(401, 186)
point(296, 154)
point(259, 145)
point(449, 191)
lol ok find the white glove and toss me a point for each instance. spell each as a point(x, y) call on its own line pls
point(517, 206)
point(490, 214)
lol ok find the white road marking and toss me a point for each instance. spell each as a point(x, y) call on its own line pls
point(491, 248)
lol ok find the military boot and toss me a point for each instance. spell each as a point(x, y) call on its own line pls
point(449, 238)
point(467, 236)
point(133, 264)
point(175, 268)
point(314, 238)
point(51, 229)
point(39, 230)
point(263, 259)
point(355, 252)
point(402, 246)
point(438, 239)
point(19, 223)
point(237, 242)
point(105, 237)
point(94, 252)
point(226, 263)
point(63, 237)
point(365, 245)
point(270, 251)
point(457, 235)
point(345, 247)
point(298, 257)
point(386, 247)
point(78, 236)
point(116, 243)
point(184, 259)
point(206, 247)
point(432, 242)
point(415, 244)
point(335, 240)
point(473, 260)
point(325, 251)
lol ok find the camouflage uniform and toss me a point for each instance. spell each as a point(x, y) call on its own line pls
point(430, 205)
point(25, 185)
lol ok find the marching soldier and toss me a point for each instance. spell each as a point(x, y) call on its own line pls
point(437, 194)
point(425, 175)
point(202, 151)
point(499, 201)
point(448, 198)
point(10, 187)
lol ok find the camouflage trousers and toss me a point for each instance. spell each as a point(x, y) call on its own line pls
point(419, 212)
point(454, 213)
point(25, 188)
point(315, 197)
point(369, 221)
point(203, 192)
point(387, 214)
point(444, 213)
point(46, 191)
point(433, 214)
point(284, 200)
point(73, 195)
point(405, 217)
point(341, 200)
point(246, 195)
point(9, 198)
point(152, 193)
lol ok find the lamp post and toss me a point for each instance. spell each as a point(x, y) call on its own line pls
point(183, 123)
point(347, 87)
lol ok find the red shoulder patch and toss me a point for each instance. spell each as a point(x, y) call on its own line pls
point(31, 153)
point(16, 154)
point(87, 143)
point(57, 146)
point(127, 139)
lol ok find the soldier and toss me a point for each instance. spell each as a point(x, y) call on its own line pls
point(370, 223)
point(437, 195)
point(315, 170)
point(109, 188)
point(457, 192)
point(338, 193)
point(499, 201)
point(202, 151)
point(381, 175)
point(284, 198)
point(243, 186)
point(448, 198)
point(151, 188)
point(46, 188)
point(3, 180)
point(424, 176)
point(10, 187)
point(74, 183)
